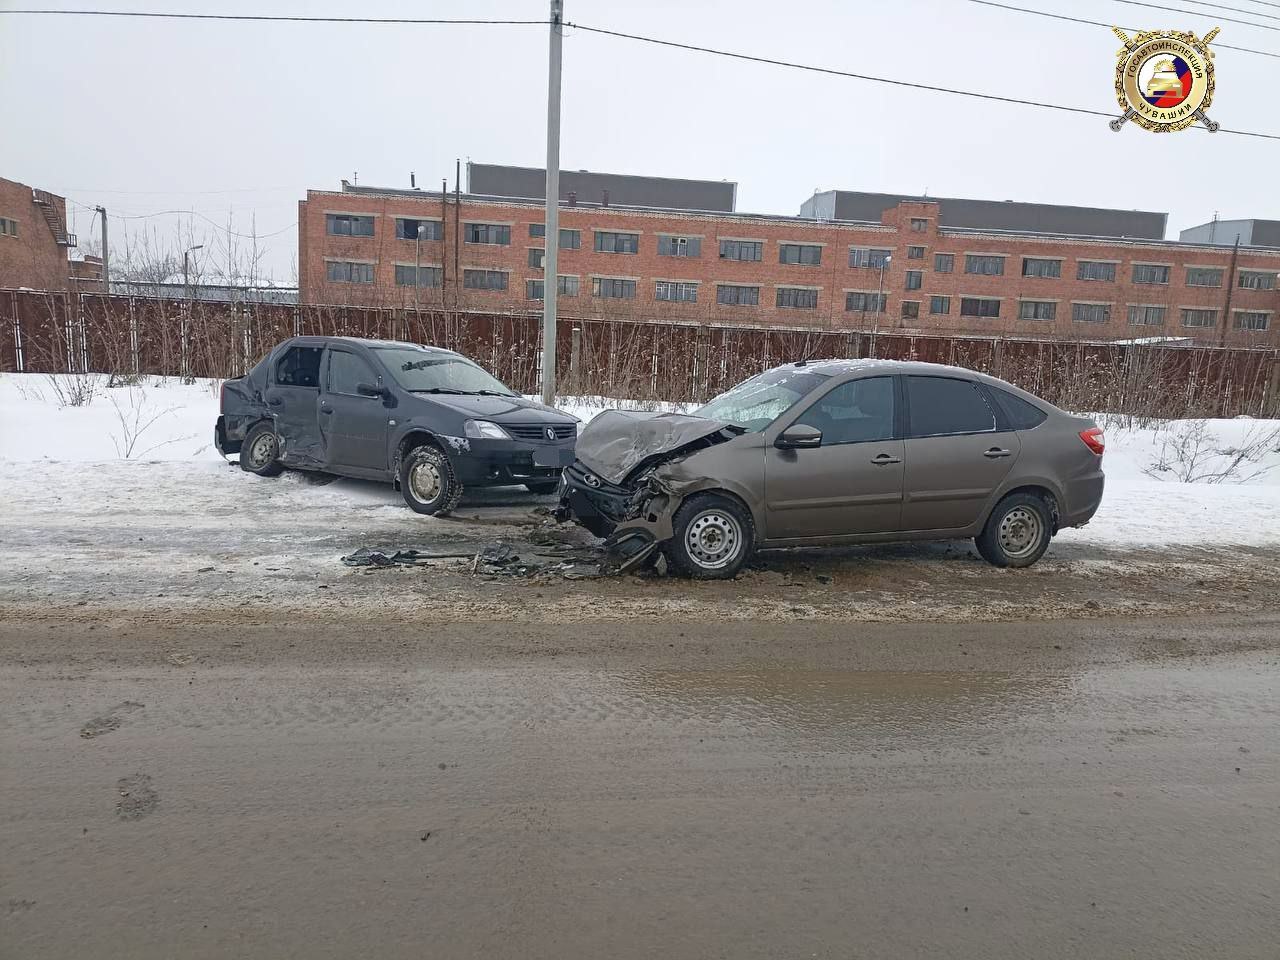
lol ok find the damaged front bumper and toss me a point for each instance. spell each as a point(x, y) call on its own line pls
point(614, 512)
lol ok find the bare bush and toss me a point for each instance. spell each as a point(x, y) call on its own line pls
point(135, 418)
point(1192, 453)
point(73, 389)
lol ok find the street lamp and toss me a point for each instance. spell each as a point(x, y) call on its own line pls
point(879, 304)
point(186, 314)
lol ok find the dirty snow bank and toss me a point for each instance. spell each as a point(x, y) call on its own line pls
point(166, 420)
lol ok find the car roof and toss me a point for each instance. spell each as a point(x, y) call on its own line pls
point(839, 367)
point(370, 342)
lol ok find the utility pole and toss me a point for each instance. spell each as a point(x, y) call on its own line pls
point(1231, 283)
point(106, 283)
point(551, 257)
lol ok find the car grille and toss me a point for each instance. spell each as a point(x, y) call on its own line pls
point(538, 431)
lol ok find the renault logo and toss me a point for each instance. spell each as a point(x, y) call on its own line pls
point(551, 433)
point(590, 480)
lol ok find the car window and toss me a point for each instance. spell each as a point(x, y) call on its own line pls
point(853, 412)
point(1020, 414)
point(299, 367)
point(757, 402)
point(941, 406)
point(346, 370)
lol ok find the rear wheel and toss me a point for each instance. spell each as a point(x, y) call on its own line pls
point(544, 488)
point(714, 537)
point(428, 483)
point(1017, 532)
point(260, 451)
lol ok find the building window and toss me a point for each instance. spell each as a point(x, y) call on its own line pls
point(732, 296)
point(679, 246)
point(676, 291)
point(872, 257)
point(985, 264)
point(979, 307)
point(1040, 267)
point(1037, 310)
point(537, 230)
point(939, 305)
point(536, 257)
point(797, 298)
point(1090, 312)
point(427, 276)
point(1257, 280)
point(565, 287)
point(915, 278)
point(919, 225)
point(612, 288)
point(484, 279)
point(491, 233)
point(915, 253)
point(910, 309)
point(1146, 316)
point(1204, 276)
point(1150, 273)
point(570, 239)
point(8, 228)
point(752, 250)
point(407, 229)
point(944, 262)
point(607, 242)
point(342, 271)
point(349, 225)
point(802, 253)
point(1251, 319)
point(1199, 318)
point(865, 302)
point(1095, 270)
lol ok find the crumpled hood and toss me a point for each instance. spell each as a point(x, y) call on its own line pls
point(616, 441)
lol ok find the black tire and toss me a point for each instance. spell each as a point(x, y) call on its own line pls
point(260, 451)
point(428, 482)
point(714, 537)
point(544, 488)
point(1017, 532)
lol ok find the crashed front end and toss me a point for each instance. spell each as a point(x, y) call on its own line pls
point(622, 487)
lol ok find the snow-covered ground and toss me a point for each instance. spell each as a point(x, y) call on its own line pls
point(167, 422)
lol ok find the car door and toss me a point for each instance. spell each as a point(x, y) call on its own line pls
point(354, 426)
point(293, 397)
point(852, 482)
point(956, 451)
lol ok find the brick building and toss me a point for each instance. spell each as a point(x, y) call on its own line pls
point(33, 238)
point(677, 250)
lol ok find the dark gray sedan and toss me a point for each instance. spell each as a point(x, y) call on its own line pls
point(429, 420)
point(838, 451)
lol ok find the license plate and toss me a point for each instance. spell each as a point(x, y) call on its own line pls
point(552, 457)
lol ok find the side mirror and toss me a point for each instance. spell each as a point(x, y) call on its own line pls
point(799, 436)
point(368, 390)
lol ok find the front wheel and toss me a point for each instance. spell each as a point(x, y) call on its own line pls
point(714, 537)
point(428, 483)
point(260, 452)
point(1017, 532)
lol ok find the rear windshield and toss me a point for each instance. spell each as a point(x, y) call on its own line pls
point(756, 403)
point(422, 371)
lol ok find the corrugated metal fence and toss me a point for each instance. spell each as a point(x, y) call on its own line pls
point(57, 333)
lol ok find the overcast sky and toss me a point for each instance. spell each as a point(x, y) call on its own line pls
point(239, 119)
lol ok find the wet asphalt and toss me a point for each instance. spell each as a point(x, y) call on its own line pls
point(173, 786)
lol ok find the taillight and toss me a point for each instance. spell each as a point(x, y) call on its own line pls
point(1094, 439)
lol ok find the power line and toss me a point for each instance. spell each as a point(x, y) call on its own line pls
point(1099, 23)
point(1196, 13)
point(267, 18)
point(885, 80)
point(1218, 6)
point(190, 213)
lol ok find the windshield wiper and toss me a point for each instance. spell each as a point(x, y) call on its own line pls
point(438, 390)
point(493, 393)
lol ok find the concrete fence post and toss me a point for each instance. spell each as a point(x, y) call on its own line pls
point(575, 362)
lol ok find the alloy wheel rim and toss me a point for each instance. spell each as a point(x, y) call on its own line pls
point(713, 539)
point(424, 480)
point(1020, 530)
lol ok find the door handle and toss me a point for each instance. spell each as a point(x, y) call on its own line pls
point(326, 410)
point(274, 401)
point(884, 459)
point(996, 452)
